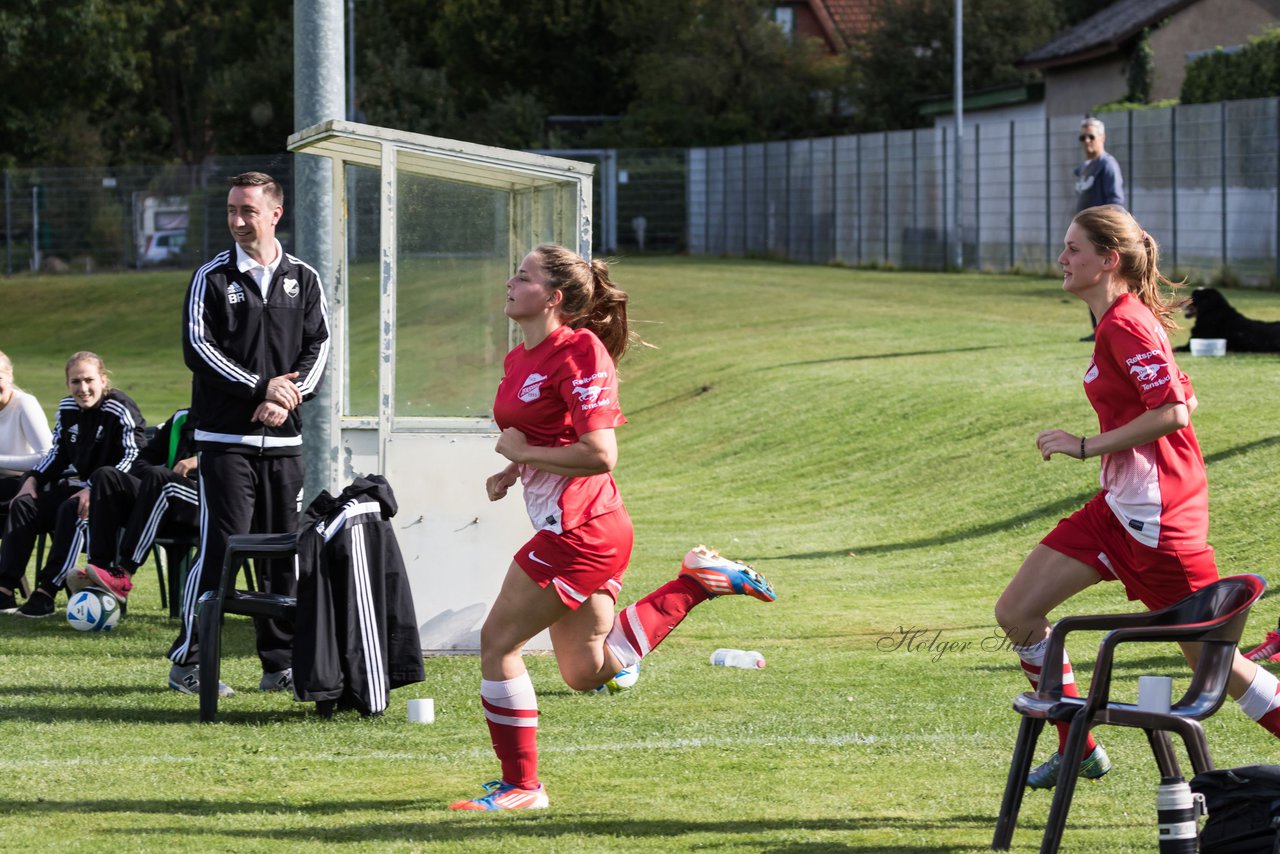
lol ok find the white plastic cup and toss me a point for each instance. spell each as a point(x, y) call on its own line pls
point(422, 711)
point(1155, 693)
point(1208, 346)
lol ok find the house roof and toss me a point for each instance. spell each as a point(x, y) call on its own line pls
point(1102, 33)
point(853, 18)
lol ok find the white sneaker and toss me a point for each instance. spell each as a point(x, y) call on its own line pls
point(280, 680)
point(186, 679)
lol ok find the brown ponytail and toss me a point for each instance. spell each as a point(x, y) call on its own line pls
point(590, 298)
point(1112, 228)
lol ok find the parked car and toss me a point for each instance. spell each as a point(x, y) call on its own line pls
point(163, 246)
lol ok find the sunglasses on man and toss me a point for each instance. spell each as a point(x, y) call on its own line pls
point(1087, 136)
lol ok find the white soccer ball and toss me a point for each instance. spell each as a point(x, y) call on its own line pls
point(93, 610)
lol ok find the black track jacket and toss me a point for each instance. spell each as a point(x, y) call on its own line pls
point(234, 342)
point(356, 632)
point(109, 434)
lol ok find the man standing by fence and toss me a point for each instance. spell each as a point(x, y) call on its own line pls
point(256, 338)
point(1098, 179)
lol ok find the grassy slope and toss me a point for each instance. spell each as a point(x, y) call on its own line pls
point(865, 439)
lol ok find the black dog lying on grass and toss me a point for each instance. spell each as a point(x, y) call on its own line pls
point(1215, 318)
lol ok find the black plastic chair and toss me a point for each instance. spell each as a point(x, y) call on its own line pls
point(1213, 616)
point(173, 557)
point(228, 600)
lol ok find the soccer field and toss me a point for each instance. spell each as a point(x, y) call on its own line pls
point(865, 439)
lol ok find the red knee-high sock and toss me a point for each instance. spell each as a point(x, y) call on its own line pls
point(641, 626)
point(1261, 701)
point(511, 710)
point(1032, 658)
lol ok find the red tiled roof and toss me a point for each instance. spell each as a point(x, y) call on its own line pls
point(853, 18)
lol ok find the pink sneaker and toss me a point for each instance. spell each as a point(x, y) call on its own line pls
point(1268, 650)
point(115, 581)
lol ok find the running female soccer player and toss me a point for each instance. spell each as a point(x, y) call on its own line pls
point(1148, 527)
point(557, 405)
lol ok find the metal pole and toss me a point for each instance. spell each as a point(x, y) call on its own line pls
point(786, 197)
point(1048, 196)
point(1128, 168)
point(8, 223)
point(813, 219)
point(1222, 144)
point(977, 196)
point(317, 97)
point(746, 201)
point(1173, 177)
point(1013, 196)
point(857, 202)
point(917, 241)
point(835, 199)
point(351, 60)
point(724, 201)
point(884, 138)
point(946, 205)
point(35, 229)
point(959, 110)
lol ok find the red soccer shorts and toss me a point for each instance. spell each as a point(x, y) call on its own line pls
point(593, 556)
point(1156, 577)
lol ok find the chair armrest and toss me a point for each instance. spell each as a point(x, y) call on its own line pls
point(1051, 671)
point(1100, 685)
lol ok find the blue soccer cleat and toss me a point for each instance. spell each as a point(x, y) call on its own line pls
point(503, 796)
point(720, 576)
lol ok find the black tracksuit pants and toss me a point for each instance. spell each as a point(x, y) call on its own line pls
point(243, 494)
point(155, 502)
point(51, 510)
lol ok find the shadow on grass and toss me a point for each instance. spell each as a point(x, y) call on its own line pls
point(1241, 449)
point(494, 832)
point(1059, 508)
point(869, 356)
point(148, 714)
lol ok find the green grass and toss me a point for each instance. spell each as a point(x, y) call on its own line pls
point(866, 439)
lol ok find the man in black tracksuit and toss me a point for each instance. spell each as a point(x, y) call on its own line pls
point(256, 338)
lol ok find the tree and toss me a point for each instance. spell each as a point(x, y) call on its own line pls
point(221, 76)
point(909, 57)
point(65, 68)
point(708, 72)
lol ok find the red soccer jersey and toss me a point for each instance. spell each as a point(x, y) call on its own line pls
point(1158, 491)
point(553, 393)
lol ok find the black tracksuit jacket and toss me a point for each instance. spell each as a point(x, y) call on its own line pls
point(356, 632)
point(234, 342)
point(109, 434)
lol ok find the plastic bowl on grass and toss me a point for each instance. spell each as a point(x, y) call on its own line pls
point(1208, 346)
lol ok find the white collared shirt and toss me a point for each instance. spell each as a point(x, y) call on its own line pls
point(261, 274)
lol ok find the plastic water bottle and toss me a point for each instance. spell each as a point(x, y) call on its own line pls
point(1178, 811)
point(747, 660)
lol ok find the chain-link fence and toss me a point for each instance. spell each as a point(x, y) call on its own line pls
point(1201, 178)
point(82, 220)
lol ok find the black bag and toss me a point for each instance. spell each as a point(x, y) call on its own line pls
point(1244, 810)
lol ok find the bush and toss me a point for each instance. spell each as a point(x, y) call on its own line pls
point(1251, 72)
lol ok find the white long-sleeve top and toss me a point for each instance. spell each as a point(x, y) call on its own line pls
point(24, 434)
